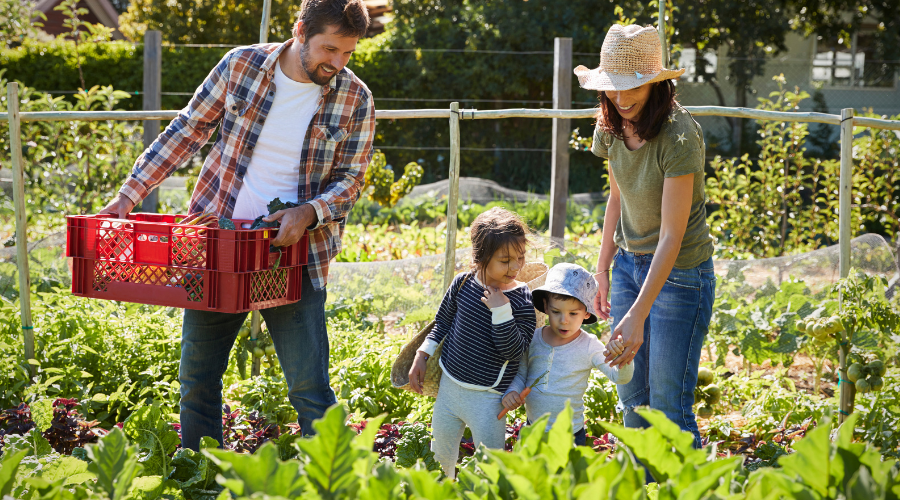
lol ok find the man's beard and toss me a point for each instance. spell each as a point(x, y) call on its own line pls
point(312, 72)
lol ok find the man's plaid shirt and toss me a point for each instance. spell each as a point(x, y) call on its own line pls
point(237, 96)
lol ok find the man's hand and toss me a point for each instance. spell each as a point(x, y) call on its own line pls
point(120, 206)
point(494, 297)
point(417, 372)
point(512, 400)
point(294, 222)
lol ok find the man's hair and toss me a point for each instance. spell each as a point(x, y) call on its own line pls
point(562, 297)
point(350, 16)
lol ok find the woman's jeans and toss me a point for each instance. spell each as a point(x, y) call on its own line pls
point(665, 367)
point(301, 342)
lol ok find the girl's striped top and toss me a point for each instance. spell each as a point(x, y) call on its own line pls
point(482, 346)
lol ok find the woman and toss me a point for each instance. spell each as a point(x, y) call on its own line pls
point(656, 242)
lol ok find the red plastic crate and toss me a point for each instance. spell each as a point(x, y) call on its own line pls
point(148, 259)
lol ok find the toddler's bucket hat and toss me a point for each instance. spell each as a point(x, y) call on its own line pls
point(572, 280)
point(630, 57)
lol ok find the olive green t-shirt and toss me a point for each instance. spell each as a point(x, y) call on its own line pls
point(677, 150)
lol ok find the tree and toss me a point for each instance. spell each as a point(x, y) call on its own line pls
point(18, 21)
point(754, 30)
point(207, 21)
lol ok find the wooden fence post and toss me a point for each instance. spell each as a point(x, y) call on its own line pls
point(662, 34)
point(255, 321)
point(18, 178)
point(152, 101)
point(452, 197)
point(848, 391)
point(562, 99)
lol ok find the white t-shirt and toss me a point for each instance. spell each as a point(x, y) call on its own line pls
point(274, 170)
point(569, 368)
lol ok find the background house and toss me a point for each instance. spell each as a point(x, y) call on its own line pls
point(99, 12)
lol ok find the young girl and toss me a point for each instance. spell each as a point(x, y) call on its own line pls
point(486, 321)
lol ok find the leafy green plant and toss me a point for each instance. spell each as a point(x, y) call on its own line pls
point(380, 183)
point(415, 445)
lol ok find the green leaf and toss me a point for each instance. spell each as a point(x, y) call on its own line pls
point(33, 443)
point(8, 469)
point(559, 440)
point(155, 438)
point(329, 455)
point(424, 484)
point(69, 469)
point(261, 472)
point(42, 414)
point(811, 461)
point(646, 444)
point(115, 463)
point(682, 441)
point(414, 445)
point(532, 437)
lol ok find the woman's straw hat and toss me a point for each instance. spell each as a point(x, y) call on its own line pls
point(534, 273)
point(630, 57)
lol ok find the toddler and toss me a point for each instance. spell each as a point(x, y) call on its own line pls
point(562, 352)
point(485, 321)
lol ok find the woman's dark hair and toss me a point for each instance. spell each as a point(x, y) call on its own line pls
point(350, 16)
point(497, 229)
point(658, 107)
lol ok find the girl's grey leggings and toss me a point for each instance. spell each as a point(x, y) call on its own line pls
point(457, 407)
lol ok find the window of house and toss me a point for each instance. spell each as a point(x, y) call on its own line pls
point(838, 65)
point(697, 71)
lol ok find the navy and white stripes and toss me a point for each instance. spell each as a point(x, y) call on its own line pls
point(482, 346)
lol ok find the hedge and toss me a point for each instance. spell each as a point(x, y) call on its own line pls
point(52, 66)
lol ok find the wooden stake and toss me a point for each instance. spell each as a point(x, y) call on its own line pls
point(18, 173)
point(452, 197)
point(559, 166)
point(152, 101)
point(844, 235)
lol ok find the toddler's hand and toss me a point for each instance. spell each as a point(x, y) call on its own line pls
point(494, 297)
point(417, 372)
point(512, 401)
point(615, 347)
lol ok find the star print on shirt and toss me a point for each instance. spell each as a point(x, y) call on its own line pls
point(681, 138)
point(672, 118)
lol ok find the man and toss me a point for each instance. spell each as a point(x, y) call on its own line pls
point(294, 124)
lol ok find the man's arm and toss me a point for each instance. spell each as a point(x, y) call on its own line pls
point(181, 139)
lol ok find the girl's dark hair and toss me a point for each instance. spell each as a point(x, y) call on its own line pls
point(496, 229)
point(659, 105)
point(350, 16)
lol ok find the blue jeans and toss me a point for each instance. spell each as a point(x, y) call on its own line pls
point(301, 342)
point(665, 367)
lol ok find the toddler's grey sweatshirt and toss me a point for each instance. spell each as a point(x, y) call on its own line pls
point(569, 368)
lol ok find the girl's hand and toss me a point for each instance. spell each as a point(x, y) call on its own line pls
point(512, 401)
point(629, 331)
point(417, 372)
point(494, 297)
point(601, 300)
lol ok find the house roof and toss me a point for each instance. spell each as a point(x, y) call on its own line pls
point(103, 9)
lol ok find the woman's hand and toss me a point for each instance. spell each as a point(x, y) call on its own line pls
point(601, 300)
point(494, 297)
point(630, 331)
point(417, 372)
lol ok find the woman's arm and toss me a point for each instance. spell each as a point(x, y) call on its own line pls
point(676, 209)
point(607, 248)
